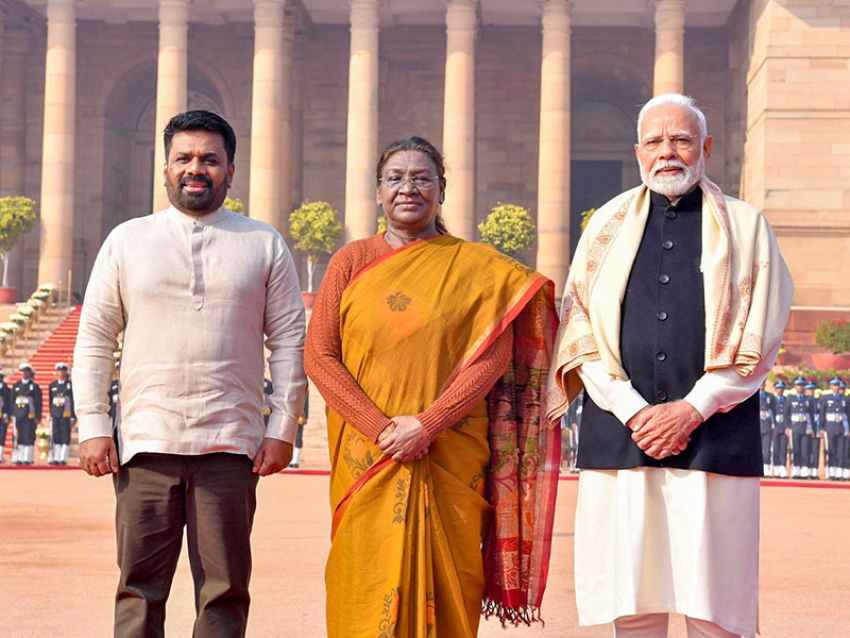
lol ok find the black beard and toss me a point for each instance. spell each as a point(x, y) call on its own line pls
point(192, 201)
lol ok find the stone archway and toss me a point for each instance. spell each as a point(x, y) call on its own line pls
point(606, 97)
point(129, 165)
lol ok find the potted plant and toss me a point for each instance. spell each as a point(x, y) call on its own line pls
point(17, 217)
point(508, 228)
point(832, 335)
point(315, 229)
point(234, 205)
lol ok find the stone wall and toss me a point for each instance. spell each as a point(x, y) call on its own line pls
point(797, 163)
point(774, 84)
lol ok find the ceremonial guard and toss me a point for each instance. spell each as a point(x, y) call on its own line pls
point(766, 402)
point(780, 438)
point(573, 427)
point(845, 475)
point(62, 416)
point(113, 399)
point(299, 435)
point(5, 412)
point(835, 429)
point(27, 413)
point(799, 420)
point(814, 457)
point(268, 390)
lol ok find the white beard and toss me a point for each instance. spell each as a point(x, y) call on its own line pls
point(673, 186)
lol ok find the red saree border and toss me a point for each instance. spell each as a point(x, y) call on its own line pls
point(339, 512)
point(498, 325)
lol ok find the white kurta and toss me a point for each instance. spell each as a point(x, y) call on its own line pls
point(655, 540)
point(194, 298)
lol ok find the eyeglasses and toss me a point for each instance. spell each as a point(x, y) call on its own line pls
point(422, 183)
point(679, 142)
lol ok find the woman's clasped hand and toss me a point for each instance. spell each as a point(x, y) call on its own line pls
point(404, 439)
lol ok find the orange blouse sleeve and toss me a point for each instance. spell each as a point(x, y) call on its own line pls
point(469, 387)
point(323, 349)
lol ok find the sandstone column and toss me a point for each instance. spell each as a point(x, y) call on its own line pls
point(287, 155)
point(669, 46)
point(57, 164)
point(267, 112)
point(13, 134)
point(361, 150)
point(459, 117)
point(171, 82)
point(553, 183)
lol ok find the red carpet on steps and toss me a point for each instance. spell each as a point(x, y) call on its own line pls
point(58, 347)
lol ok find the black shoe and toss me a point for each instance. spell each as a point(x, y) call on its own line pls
point(294, 465)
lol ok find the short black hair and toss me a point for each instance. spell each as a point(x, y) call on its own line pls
point(201, 121)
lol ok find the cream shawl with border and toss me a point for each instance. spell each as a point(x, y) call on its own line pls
point(748, 289)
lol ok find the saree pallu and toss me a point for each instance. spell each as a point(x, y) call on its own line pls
point(406, 558)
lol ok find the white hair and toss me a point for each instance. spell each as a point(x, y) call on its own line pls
point(675, 99)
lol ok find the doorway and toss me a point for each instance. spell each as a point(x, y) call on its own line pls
point(592, 183)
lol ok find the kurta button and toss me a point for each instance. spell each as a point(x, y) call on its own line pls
point(664, 279)
point(661, 395)
point(662, 316)
point(667, 245)
point(661, 355)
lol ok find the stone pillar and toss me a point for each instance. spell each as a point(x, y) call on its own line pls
point(287, 157)
point(361, 216)
point(459, 117)
point(171, 82)
point(13, 117)
point(669, 46)
point(267, 112)
point(57, 164)
point(553, 183)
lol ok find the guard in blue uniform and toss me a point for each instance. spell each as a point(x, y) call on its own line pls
point(766, 402)
point(299, 435)
point(574, 427)
point(835, 429)
point(845, 475)
point(5, 413)
point(268, 390)
point(27, 412)
point(814, 458)
point(800, 420)
point(780, 438)
point(62, 415)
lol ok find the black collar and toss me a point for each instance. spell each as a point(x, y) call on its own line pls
point(690, 201)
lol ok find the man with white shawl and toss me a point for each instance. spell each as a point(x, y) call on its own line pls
point(672, 317)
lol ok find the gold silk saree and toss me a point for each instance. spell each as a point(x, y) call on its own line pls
point(421, 548)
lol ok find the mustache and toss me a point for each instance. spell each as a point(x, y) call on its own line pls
point(194, 179)
point(662, 164)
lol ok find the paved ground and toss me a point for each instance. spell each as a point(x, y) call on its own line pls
point(57, 566)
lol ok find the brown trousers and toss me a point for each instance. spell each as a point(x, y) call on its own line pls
point(214, 497)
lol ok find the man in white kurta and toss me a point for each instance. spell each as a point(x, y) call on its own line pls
point(673, 315)
point(194, 289)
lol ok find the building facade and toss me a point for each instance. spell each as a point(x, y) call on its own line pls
point(533, 102)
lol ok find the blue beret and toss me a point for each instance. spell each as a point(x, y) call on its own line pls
point(810, 386)
point(780, 385)
point(799, 381)
point(835, 381)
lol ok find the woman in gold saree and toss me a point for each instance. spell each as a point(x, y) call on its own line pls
point(432, 354)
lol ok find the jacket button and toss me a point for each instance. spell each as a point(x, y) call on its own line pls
point(661, 355)
point(671, 214)
point(664, 279)
point(662, 316)
point(661, 395)
point(667, 245)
